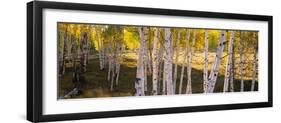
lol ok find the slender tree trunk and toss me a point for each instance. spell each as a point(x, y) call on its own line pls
point(168, 62)
point(102, 53)
point(241, 66)
point(229, 63)
point(185, 60)
point(255, 70)
point(164, 88)
point(85, 51)
point(139, 84)
point(118, 58)
point(110, 62)
point(69, 46)
point(145, 76)
point(205, 73)
point(74, 56)
point(232, 72)
point(214, 71)
point(146, 56)
point(88, 47)
point(100, 49)
point(160, 61)
point(149, 52)
point(64, 49)
point(155, 63)
point(113, 70)
point(191, 53)
point(176, 62)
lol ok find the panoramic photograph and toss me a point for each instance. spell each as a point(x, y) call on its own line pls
point(103, 60)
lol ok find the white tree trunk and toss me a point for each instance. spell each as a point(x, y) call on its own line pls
point(229, 63)
point(84, 51)
point(100, 48)
point(176, 61)
point(255, 70)
point(118, 60)
point(62, 55)
point(110, 62)
point(66, 39)
point(155, 63)
point(215, 69)
point(189, 68)
point(164, 84)
point(160, 62)
point(102, 53)
point(69, 46)
point(206, 61)
point(62, 47)
point(241, 64)
point(88, 46)
point(168, 62)
point(139, 84)
point(113, 71)
point(146, 56)
point(74, 59)
point(115, 65)
point(232, 72)
point(185, 60)
point(149, 52)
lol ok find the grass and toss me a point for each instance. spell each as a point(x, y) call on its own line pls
point(96, 83)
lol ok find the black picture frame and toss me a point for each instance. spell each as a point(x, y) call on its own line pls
point(35, 69)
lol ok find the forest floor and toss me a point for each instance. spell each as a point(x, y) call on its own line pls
point(97, 85)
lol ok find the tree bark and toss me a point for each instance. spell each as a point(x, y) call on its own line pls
point(139, 84)
point(214, 71)
point(118, 58)
point(155, 63)
point(62, 53)
point(241, 66)
point(69, 46)
point(232, 72)
point(255, 70)
point(100, 49)
point(110, 61)
point(229, 63)
point(146, 56)
point(205, 71)
point(191, 53)
point(168, 65)
point(185, 60)
point(74, 57)
point(176, 61)
point(160, 61)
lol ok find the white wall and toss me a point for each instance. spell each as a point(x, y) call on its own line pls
point(13, 60)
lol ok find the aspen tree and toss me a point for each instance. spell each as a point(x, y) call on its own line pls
point(160, 62)
point(139, 83)
point(74, 59)
point(229, 62)
point(205, 71)
point(241, 66)
point(168, 65)
point(255, 70)
point(98, 38)
point(215, 68)
point(155, 63)
point(69, 46)
point(185, 60)
point(63, 50)
point(176, 61)
point(189, 68)
point(118, 59)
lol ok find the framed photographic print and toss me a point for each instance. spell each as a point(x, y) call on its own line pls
point(95, 61)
